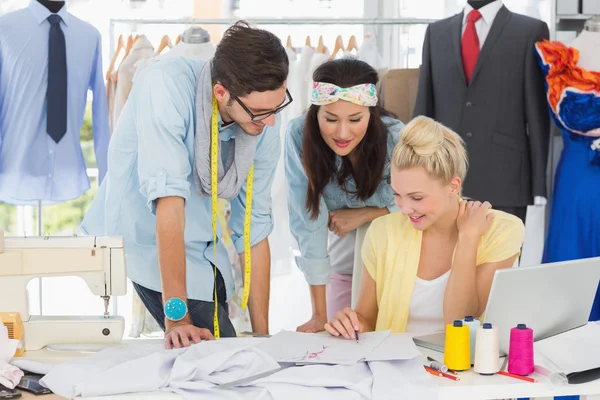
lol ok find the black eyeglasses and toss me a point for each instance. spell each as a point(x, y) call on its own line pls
point(261, 116)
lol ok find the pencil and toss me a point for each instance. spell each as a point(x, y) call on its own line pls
point(432, 371)
point(523, 378)
point(440, 374)
point(450, 376)
point(356, 334)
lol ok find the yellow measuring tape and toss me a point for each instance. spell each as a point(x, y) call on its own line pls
point(214, 158)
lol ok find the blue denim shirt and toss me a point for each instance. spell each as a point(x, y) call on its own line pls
point(151, 155)
point(311, 235)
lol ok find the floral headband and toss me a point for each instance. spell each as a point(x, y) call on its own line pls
point(326, 93)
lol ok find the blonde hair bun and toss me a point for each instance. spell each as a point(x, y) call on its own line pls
point(423, 137)
point(427, 143)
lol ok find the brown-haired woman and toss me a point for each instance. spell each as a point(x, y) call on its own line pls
point(337, 164)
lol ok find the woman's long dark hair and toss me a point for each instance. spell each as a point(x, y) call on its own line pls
point(319, 159)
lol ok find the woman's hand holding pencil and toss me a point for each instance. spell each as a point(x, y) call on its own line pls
point(346, 324)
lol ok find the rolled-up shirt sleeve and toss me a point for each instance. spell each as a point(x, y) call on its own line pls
point(162, 117)
point(266, 158)
point(310, 234)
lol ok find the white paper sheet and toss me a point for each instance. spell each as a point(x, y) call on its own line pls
point(398, 346)
point(310, 348)
point(573, 351)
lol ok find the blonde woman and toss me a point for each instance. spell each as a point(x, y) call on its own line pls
point(434, 262)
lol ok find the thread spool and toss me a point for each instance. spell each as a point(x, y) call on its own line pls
point(473, 325)
point(487, 351)
point(438, 366)
point(520, 351)
point(457, 352)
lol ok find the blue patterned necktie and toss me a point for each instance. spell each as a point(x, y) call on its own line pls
point(56, 94)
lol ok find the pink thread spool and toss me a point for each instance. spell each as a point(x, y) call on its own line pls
point(520, 351)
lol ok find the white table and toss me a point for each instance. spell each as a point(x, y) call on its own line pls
point(471, 385)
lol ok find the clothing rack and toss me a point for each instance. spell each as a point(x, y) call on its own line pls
point(262, 21)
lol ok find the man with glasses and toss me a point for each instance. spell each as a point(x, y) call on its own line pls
point(158, 190)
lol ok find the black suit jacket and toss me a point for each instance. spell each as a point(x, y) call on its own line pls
point(502, 115)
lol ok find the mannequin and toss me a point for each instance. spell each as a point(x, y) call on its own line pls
point(195, 34)
point(587, 43)
point(53, 6)
point(507, 155)
point(195, 44)
point(477, 4)
point(571, 81)
point(59, 173)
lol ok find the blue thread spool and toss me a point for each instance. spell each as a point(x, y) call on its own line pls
point(473, 324)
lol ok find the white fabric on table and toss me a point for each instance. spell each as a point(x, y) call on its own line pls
point(195, 372)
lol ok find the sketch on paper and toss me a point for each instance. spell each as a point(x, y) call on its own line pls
point(311, 348)
point(314, 355)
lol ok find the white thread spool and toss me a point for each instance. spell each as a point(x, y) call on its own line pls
point(473, 325)
point(1, 240)
point(487, 352)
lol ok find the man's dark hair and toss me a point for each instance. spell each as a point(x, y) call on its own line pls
point(248, 59)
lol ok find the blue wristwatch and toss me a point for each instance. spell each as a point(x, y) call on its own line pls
point(175, 309)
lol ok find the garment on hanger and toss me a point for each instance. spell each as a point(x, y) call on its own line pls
point(141, 50)
point(348, 54)
point(316, 60)
point(369, 53)
point(304, 76)
point(33, 166)
point(281, 240)
point(574, 100)
point(111, 93)
point(193, 51)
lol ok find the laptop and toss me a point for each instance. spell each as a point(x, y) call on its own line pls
point(549, 298)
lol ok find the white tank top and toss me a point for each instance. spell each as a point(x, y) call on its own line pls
point(426, 313)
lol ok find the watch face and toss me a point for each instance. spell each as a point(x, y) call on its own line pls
point(175, 309)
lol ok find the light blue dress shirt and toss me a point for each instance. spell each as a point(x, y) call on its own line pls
point(32, 166)
point(151, 155)
point(311, 235)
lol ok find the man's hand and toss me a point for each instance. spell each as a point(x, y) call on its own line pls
point(316, 324)
point(183, 333)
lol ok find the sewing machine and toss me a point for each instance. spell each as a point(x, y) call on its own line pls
point(99, 261)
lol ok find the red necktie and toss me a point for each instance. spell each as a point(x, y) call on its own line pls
point(470, 45)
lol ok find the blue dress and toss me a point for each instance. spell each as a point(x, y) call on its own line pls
point(574, 102)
